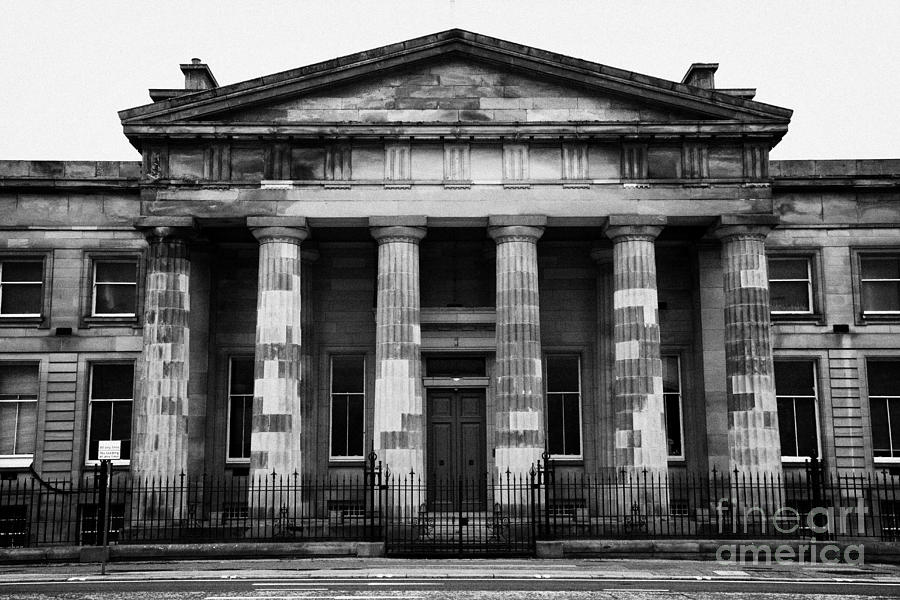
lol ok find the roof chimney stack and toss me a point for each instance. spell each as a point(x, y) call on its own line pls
point(197, 76)
point(701, 75)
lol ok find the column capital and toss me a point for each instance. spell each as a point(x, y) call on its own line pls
point(757, 227)
point(515, 233)
point(291, 229)
point(398, 233)
point(158, 229)
point(641, 227)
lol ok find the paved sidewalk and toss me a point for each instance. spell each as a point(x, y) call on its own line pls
point(372, 568)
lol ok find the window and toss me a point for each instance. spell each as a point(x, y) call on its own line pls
point(880, 284)
point(884, 403)
point(109, 414)
point(18, 413)
point(240, 408)
point(791, 285)
point(671, 366)
point(114, 288)
point(795, 391)
point(564, 406)
point(348, 398)
point(21, 288)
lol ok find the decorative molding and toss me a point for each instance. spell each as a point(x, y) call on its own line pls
point(515, 162)
point(575, 160)
point(695, 160)
point(634, 161)
point(756, 161)
point(457, 162)
point(397, 161)
point(338, 163)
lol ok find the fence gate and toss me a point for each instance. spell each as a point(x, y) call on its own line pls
point(459, 517)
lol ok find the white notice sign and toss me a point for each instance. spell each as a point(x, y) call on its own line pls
point(109, 449)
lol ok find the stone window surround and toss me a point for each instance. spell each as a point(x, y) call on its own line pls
point(88, 319)
point(88, 401)
point(82, 400)
point(217, 403)
point(46, 256)
point(863, 357)
point(581, 388)
point(818, 381)
point(856, 252)
point(367, 363)
point(23, 462)
point(817, 275)
point(229, 357)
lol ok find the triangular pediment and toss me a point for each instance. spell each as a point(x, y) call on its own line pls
point(452, 89)
point(455, 76)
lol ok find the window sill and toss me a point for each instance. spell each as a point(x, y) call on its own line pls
point(124, 321)
point(892, 317)
point(887, 460)
point(346, 462)
point(805, 318)
point(16, 462)
point(17, 321)
point(795, 460)
point(116, 464)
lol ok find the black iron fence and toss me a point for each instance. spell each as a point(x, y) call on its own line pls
point(502, 514)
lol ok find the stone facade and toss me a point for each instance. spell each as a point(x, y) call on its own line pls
point(459, 211)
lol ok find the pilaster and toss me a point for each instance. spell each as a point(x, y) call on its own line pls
point(604, 435)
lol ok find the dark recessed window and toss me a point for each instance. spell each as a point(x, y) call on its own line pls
point(564, 405)
point(348, 401)
point(880, 284)
point(672, 403)
point(240, 408)
point(795, 390)
point(21, 288)
point(114, 288)
point(884, 403)
point(453, 366)
point(18, 409)
point(791, 285)
point(111, 398)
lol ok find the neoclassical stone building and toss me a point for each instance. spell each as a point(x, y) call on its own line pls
point(459, 252)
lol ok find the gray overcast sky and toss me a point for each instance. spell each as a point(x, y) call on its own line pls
point(68, 66)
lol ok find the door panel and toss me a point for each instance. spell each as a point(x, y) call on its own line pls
point(456, 449)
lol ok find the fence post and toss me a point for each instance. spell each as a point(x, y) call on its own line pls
point(106, 466)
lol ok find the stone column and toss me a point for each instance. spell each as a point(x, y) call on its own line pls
point(160, 438)
point(604, 437)
point(640, 443)
point(753, 440)
point(276, 437)
point(518, 400)
point(310, 413)
point(399, 430)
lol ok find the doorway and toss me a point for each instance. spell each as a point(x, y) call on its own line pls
point(457, 463)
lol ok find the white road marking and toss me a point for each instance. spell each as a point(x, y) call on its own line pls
point(318, 597)
point(732, 573)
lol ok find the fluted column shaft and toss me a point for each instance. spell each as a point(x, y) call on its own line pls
point(399, 426)
point(161, 413)
point(640, 438)
point(606, 352)
point(519, 422)
point(307, 361)
point(753, 439)
point(277, 428)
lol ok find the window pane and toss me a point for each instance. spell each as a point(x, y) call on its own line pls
point(101, 418)
point(339, 426)
point(572, 425)
point(355, 426)
point(673, 424)
point(894, 412)
point(881, 295)
point(562, 374)
point(807, 438)
point(27, 428)
point(555, 434)
point(236, 428)
point(23, 271)
point(881, 443)
point(19, 381)
point(248, 426)
point(115, 299)
point(789, 296)
point(121, 427)
point(112, 381)
point(795, 378)
point(21, 299)
point(8, 427)
point(671, 383)
point(880, 267)
point(788, 268)
point(242, 376)
point(125, 272)
point(786, 427)
point(347, 374)
point(884, 377)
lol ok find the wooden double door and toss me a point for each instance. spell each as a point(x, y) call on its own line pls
point(457, 462)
